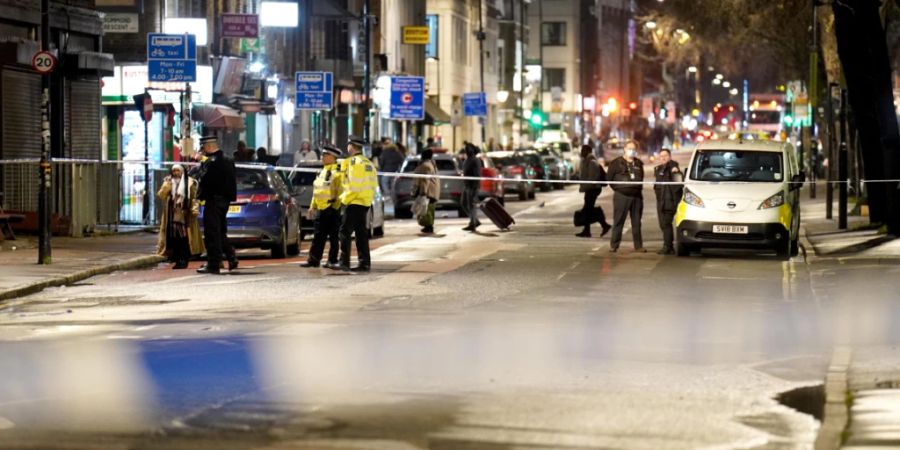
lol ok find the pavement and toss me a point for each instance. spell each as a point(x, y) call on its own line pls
point(864, 383)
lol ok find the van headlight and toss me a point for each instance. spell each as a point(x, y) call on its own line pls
point(773, 201)
point(692, 199)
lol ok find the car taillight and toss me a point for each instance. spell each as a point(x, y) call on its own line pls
point(516, 170)
point(256, 198)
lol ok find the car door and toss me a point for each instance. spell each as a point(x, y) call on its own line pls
point(291, 209)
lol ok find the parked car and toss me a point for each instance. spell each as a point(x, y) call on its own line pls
point(491, 186)
point(514, 169)
point(302, 190)
point(560, 169)
point(539, 166)
point(451, 190)
point(264, 215)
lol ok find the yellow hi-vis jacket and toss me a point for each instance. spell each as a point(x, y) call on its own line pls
point(327, 188)
point(359, 181)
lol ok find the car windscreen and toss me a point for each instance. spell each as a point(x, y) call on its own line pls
point(737, 165)
point(504, 160)
point(304, 178)
point(533, 159)
point(445, 165)
point(250, 179)
point(410, 166)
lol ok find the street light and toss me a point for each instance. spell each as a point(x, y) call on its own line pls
point(719, 76)
point(692, 69)
point(650, 24)
point(502, 96)
point(717, 81)
point(726, 84)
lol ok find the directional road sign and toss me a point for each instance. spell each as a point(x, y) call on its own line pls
point(407, 98)
point(475, 104)
point(314, 90)
point(171, 57)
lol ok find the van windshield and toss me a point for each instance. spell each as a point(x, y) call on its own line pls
point(734, 165)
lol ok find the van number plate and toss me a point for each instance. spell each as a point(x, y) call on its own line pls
point(236, 209)
point(731, 229)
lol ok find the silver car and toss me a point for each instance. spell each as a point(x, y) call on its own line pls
point(302, 191)
point(451, 190)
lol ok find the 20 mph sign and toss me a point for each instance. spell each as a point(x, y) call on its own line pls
point(43, 62)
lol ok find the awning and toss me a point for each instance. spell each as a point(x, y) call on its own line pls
point(218, 116)
point(434, 114)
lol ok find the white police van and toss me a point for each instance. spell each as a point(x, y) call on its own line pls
point(740, 194)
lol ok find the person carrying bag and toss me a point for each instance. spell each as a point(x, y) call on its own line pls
point(427, 190)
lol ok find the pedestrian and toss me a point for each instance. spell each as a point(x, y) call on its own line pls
point(591, 170)
point(359, 181)
point(667, 197)
point(431, 143)
point(491, 146)
point(262, 155)
point(243, 154)
point(179, 229)
point(325, 210)
point(390, 162)
point(429, 187)
point(471, 168)
point(628, 199)
point(306, 153)
point(218, 188)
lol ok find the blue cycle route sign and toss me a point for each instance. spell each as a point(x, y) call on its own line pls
point(314, 90)
point(474, 104)
point(171, 57)
point(407, 98)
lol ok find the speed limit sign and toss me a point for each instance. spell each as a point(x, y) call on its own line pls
point(43, 62)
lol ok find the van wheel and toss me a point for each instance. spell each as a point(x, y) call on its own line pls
point(795, 247)
point(523, 195)
point(682, 249)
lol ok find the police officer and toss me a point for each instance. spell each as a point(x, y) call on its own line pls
point(325, 210)
point(667, 197)
point(359, 180)
point(628, 199)
point(218, 188)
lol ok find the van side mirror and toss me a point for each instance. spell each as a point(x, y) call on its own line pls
point(797, 181)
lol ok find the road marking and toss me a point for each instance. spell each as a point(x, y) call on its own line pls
point(177, 279)
point(238, 281)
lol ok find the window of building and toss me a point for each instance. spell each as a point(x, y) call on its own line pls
point(553, 33)
point(431, 49)
point(460, 41)
point(553, 78)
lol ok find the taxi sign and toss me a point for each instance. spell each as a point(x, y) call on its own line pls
point(43, 62)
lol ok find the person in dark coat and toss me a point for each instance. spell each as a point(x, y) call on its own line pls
point(591, 170)
point(667, 197)
point(471, 168)
point(218, 188)
point(628, 199)
point(243, 154)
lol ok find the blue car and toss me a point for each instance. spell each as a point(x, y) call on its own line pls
point(264, 214)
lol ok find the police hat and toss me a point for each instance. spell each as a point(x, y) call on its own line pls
point(209, 140)
point(357, 141)
point(331, 150)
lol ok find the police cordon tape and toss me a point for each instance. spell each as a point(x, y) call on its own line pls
point(441, 177)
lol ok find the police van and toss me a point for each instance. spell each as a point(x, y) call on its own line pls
point(740, 194)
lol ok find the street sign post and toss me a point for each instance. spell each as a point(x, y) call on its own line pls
point(475, 104)
point(171, 57)
point(407, 98)
point(314, 90)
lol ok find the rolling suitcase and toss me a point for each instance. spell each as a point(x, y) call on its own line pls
point(495, 211)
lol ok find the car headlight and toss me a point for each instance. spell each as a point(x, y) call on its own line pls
point(692, 199)
point(773, 201)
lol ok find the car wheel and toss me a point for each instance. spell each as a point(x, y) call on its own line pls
point(378, 231)
point(532, 194)
point(403, 213)
point(279, 250)
point(501, 200)
point(523, 195)
point(795, 247)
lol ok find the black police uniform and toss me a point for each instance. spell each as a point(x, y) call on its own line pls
point(667, 198)
point(628, 199)
point(218, 188)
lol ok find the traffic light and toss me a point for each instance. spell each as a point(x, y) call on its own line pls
point(537, 118)
point(788, 119)
point(632, 106)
